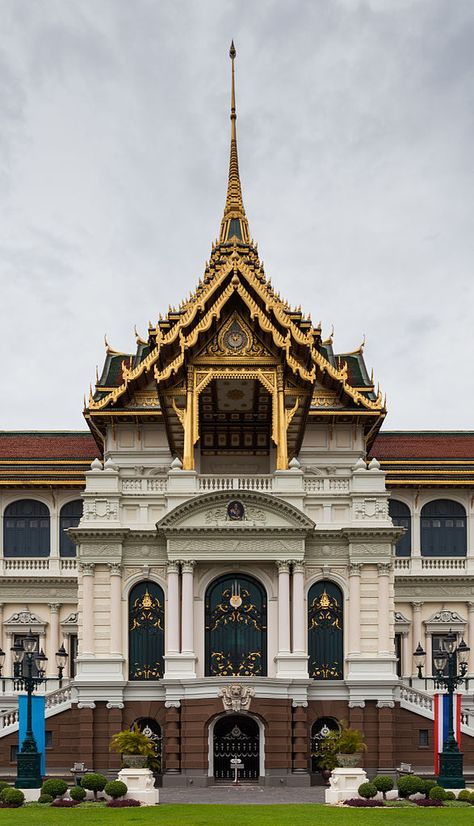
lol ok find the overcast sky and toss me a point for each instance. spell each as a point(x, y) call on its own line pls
point(355, 128)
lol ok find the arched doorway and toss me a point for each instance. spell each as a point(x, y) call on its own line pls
point(152, 729)
point(319, 731)
point(236, 627)
point(325, 631)
point(236, 735)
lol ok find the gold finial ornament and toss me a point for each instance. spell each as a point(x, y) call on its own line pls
point(147, 601)
point(324, 601)
point(234, 223)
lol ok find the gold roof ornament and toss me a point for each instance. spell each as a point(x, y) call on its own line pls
point(147, 601)
point(234, 223)
point(324, 601)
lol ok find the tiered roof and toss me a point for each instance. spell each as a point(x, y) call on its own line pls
point(333, 384)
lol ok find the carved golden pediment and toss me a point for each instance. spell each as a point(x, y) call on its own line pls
point(145, 398)
point(235, 338)
point(325, 398)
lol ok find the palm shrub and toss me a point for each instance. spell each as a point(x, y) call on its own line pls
point(132, 741)
point(367, 790)
point(54, 786)
point(116, 789)
point(350, 741)
point(383, 784)
point(410, 784)
point(94, 782)
point(77, 793)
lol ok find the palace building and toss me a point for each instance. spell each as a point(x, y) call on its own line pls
point(234, 554)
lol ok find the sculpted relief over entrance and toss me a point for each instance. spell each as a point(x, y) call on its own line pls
point(236, 697)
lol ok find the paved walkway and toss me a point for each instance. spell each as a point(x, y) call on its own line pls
point(243, 794)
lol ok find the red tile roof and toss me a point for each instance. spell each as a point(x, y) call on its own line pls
point(47, 445)
point(424, 444)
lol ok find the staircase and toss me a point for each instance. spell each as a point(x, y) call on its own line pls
point(420, 702)
point(55, 702)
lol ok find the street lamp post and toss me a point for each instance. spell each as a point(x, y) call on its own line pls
point(24, 657)
point(450, 758)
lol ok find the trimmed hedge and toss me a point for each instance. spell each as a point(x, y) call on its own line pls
point(94, 782)
point(116, 789)
point(12, 798)
point(383, 784)
point(410, 784)
point(437, 793)
point(77, 793)
point(367, 790)
point(45, 798)
point(54, 786)
point(123, 804)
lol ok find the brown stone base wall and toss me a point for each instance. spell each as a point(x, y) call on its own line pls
point(83, 735)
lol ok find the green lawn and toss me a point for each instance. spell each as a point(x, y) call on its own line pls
point(253, 815)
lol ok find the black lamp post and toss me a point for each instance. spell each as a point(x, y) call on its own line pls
point(24, 657)
point(450, 758)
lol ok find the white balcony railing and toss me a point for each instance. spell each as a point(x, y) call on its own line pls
point(215, 482)
point(434, 566)
point(38, 566)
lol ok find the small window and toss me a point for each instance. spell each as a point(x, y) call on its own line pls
point(48, 739)
point(423, 738)
point(13, 753)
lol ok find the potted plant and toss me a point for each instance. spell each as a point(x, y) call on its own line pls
point(350, 746)
point(134, 746)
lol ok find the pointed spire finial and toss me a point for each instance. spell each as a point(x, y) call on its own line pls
point(234, 223)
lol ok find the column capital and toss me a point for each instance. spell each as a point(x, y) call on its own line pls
point(86, 705)
point(172, 567)
point(385, 704)
point(172, 704)
point(417, 606)
point(87, 568)
point(384, 568)
point(470, 606)
point(283, 566)
point(187, 566)
point(356, 703)
point(54, 607)
point(115, 568)
point(355, 569)
point(298, 566)
point(115, 705)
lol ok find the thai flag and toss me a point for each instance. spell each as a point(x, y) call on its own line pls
point(441, 723)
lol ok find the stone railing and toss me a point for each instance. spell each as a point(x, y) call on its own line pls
point(55, 702)
point(420, 702)
point(144, 487)
point(214, 482)
point(38, 566)
point(434, 565)
point(335, 485)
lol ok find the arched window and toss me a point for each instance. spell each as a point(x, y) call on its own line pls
point(236, 627)
point(401, 516)
point(325, 631)
point(443, 529)
point(319, 731)
point(69, 518)
point(26, 529)
point(146, 631)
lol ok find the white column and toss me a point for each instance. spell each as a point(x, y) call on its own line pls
point(2, 605)
point(87, 570)
point(172, 622)
point(299, 613)
point(355, 572)
point(429, 653)
point(385, 644)
point(53, 638)
point(416, 531)
point(406, 656)
point(470, 636)
point(187, 607)
point(115, 608)
point(417, 632)
point(283, 607)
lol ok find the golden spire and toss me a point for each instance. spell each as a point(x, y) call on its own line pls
point(234, 222)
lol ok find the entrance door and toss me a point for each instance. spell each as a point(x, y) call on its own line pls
point(236, 736)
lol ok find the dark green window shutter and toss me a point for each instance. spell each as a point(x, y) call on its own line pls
point(325, 631)
point(146, 632)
